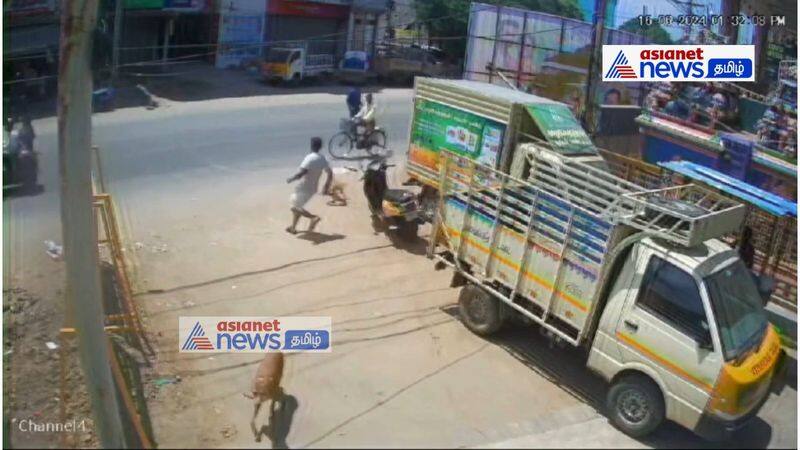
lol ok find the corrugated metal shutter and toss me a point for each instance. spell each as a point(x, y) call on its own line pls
point(323, 34)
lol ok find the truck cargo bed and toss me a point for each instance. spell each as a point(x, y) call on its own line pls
point(544, 254)
point(541, 244)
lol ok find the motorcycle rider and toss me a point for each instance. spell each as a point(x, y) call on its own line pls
point(26, 134)
point(11, 138)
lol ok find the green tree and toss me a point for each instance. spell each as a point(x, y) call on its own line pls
point(449, 18)
point(654, 32)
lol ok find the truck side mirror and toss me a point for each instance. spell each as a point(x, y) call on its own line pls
point(704, 342)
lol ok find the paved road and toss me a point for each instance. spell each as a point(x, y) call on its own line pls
point(201, 191)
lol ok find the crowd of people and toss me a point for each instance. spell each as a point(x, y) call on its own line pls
point(700, 103)
point(716, 108)
point(777, 130)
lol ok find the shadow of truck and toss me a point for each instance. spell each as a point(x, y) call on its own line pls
point(565, 367)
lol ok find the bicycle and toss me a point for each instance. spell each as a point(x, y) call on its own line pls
point(343, 142)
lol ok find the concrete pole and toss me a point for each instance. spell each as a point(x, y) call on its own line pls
point(79, 230)
point(351, 23)
point(167, 33)
point(388, 35)
point(374, 34)
point(595, 66)
point(118, 18)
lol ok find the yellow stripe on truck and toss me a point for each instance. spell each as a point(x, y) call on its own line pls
point(662, 361)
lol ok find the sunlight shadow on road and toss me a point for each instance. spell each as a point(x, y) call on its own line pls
point(23, 191)
point(566, 368)
point(280, 423)
point(320, 238)
point(260, 271)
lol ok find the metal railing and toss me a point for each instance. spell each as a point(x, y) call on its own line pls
point(500, 232)
point(774, 237)
point(686, 215)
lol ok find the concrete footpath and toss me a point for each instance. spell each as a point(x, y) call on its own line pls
point(784, 319)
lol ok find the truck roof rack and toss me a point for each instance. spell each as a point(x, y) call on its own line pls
point(686, 215)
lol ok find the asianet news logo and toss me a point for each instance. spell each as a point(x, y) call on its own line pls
point(254, 334)
point(678, 62)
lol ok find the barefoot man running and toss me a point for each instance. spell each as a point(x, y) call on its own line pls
point(310, 170)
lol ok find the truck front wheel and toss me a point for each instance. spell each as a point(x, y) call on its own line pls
point(479, 310)
point(635, 405)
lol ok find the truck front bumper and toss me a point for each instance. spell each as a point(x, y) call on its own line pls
point(714, 428)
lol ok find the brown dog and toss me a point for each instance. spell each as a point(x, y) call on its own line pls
point(266, 386)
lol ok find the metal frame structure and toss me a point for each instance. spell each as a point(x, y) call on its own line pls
point(774, 237)
point(516, 203)
point(569, 205)
point(120, 329)
point(621, 201)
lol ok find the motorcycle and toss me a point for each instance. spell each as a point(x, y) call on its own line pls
point(396, 210)
point(20, 168)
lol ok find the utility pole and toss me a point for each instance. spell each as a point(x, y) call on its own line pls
point(118, 18)
point(84, 305)
point(168, 28)
point(689, 6)
point(729, 31)
point(389, 34)
point(595, 65)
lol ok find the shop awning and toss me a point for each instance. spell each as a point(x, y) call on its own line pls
point(760, 198)
point(560, 128)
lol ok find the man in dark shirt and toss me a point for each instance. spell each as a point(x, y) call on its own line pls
point(354, 101)
point(746, 250)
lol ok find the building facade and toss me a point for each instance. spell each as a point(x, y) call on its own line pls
point(31, 30)
point(246, 27)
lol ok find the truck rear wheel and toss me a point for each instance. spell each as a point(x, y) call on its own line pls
point(479, 310)
point(635, 405)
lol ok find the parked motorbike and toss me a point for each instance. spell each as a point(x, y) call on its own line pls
point(397, 210)
point(20, 168)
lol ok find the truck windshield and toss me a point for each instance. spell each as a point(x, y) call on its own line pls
point(278, 56)
point(738, 309)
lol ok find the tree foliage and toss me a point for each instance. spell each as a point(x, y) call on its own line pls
point(449, 18)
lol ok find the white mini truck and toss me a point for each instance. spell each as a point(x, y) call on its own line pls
point(294, 64)
point(668, 314)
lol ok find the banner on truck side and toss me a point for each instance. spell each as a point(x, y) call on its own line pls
point(254, 334)
point(679, 63)
point(438, 127)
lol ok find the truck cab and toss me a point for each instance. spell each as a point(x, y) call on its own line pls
point(686, 326)
point(283, 64)
point(294, 64)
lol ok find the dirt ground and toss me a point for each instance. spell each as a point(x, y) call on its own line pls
point(403, 371)
point(32, 320)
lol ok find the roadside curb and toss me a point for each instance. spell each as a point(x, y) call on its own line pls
point(784, 319)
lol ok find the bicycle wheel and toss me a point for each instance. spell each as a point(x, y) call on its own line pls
point(340, 145)
point(376, 139)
